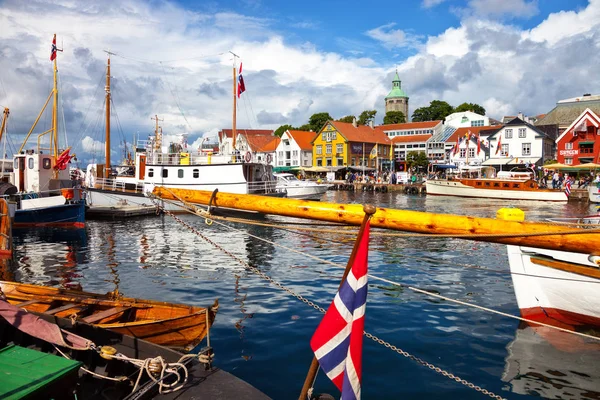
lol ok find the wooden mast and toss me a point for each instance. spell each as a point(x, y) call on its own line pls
point(6, 112)
point(54, 137)
point(479, 229)
point(107, 144)
point(234, 120)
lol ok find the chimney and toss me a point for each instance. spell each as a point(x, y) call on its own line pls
point(520, 116)
point(354, 124)
point(371, 124)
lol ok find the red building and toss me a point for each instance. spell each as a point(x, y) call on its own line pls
point(579, 143)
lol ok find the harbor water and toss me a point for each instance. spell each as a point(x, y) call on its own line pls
point(261, 333)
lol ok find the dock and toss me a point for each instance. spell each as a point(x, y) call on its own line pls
point(119, 212)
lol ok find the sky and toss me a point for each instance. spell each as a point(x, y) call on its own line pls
point(173, 59)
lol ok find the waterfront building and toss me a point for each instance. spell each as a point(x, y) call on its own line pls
point(257, 148)
point(519, 143)
point(410, 136)
point(469, 145)
point(579, 142)
point(294, 150)
point(466, 119)
point(339, 144)
point(397, 99)
point(226, 138)
point(568, 110)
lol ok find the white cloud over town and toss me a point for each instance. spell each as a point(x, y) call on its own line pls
point(175, 63)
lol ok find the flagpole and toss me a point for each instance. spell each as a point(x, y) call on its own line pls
point(314, 365)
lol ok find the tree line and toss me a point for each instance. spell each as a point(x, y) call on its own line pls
point(437, 110)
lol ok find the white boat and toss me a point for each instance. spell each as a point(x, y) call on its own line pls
point(300, 189)
point(483, 182)
point(594, 192)
point(175, 168)
point(556, 284)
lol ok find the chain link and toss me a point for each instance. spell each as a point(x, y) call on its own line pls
point(322, 310)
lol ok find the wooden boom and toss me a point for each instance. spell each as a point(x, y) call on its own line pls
point(563, 238)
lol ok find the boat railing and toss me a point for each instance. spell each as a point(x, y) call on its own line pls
point(184, 158)
point(262, 187)
point(118, 185)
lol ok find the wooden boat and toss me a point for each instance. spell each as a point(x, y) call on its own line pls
point(481, 182)
point(167, 324)
point(555, 267)
point(101, 364)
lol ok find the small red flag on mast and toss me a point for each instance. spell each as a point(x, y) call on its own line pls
point(53, 50)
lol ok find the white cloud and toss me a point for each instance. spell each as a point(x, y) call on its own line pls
point(431, 3)
point(90, 145)
point(502, 8)
point(392, 38)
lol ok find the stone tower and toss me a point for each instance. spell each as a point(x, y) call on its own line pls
point(397, 100)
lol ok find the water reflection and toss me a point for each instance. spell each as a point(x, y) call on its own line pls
point(552, 364)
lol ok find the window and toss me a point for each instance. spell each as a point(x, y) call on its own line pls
point(340, 161)
point(328, 149)
point(196, 173)
point(522, 133)
point(16, 163)
point(319, 162)
point(339, 148)
point(526, 149)
point(286, 142)
point(479, 122)
point(319, 149)
point(463, 152)
point(295, 153)
point(324, 136)
point(568, 161)
point(46, 164)
point(471, 152)
point(180, 173)
point(569, 146)
point(30, 162)
point(333, 135)
point(151, 173)
point(280, 154)
point(165, 173)
point(328, 161)
point(508, 133)
point(505, 149)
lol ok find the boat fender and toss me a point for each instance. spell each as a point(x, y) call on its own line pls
point(248, 156)
point(107, 352)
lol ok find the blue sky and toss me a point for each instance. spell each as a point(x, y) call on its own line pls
point(300, 57)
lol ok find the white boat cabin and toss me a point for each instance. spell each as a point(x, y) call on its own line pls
point(34, 172)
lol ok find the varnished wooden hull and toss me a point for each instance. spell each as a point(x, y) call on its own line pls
point(502, 189)
point(173, 325)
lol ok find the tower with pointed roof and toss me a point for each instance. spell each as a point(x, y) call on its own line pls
point(397, 100)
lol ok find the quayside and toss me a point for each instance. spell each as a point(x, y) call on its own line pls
point(520, 233)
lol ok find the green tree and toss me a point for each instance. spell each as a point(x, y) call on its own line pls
point(366, 116)
point(394, 117)
point(437, 109)
point(279, 131)
point(318, 120)
point(347, 118)
point(417, 159)
point(476, 108)
point(305, 127)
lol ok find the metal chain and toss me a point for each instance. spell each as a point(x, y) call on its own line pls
point(322, 310)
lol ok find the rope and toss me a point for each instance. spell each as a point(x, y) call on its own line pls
point(322, 310)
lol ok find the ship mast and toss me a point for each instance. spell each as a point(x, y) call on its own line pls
point(233, 130)
point(107, 144)
point(157, 134)
point(6, 112)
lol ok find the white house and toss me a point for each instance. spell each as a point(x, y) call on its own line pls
point(465, 119)
point(519, 143)
point(294, 149)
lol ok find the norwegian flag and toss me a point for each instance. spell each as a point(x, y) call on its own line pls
point(337, 342)
point(568, 187)
point(53, 50)
point(241, 88)
point(499, 148)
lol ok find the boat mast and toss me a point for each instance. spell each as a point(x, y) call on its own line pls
point(54, 137)
point(3, 126)
point(233, 130)
point(107, 144)
point(157, 134)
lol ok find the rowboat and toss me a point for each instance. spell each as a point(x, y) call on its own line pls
point(44, 357)
point(166, 324)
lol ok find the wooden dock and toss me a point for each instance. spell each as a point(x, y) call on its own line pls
point(119, 212)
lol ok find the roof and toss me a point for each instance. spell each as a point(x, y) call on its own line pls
point(248, 132)
point(303, 138)
point(476, 130)
point(360, 133)
point(565, 113)
point(585, 116)
point(396, 88)
point(411, 138)
point(262, 143)
point(410, 125)
point(519, 122)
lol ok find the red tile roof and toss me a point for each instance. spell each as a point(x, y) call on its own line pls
point(411, 138)
point(262, 143)
point(361, 133)
point(410, 125)
point(303, 138)
point(248, 132)
point(461, 132)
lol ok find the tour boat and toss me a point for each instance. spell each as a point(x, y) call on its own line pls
point(483, 182)
point(594, 192)
point(177, 167)
point(298, 189)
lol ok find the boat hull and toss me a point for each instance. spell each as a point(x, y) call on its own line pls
point(306, 192)
point(173, 325)
point(594, 193)
point(67, 215)
point(556, 284)
point(457, 188)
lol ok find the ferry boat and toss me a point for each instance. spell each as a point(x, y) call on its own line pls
point(484, 182)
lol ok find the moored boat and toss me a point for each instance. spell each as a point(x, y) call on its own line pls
point(298, 189)
point(167, 324)
point(483, 182)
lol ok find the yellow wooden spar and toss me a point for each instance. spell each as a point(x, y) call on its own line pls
point(557, 238)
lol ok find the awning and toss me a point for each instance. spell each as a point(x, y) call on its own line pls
point(360, 169)
point(280, 169)
point(523, 160)
point(496, 161)
point(591, 142)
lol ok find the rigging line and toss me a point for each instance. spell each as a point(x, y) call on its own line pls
point(175, 97)
point(251, 108)
point(400, 284)
point(62, 113)
point(148, 61)
point(83, 121)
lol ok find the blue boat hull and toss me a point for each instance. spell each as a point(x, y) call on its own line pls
point(68, 215)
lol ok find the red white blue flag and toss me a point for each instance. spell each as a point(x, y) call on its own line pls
point(337, 342)
point(499, 148)
point(241, 88)
point(53, 50)
point(568, 187)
